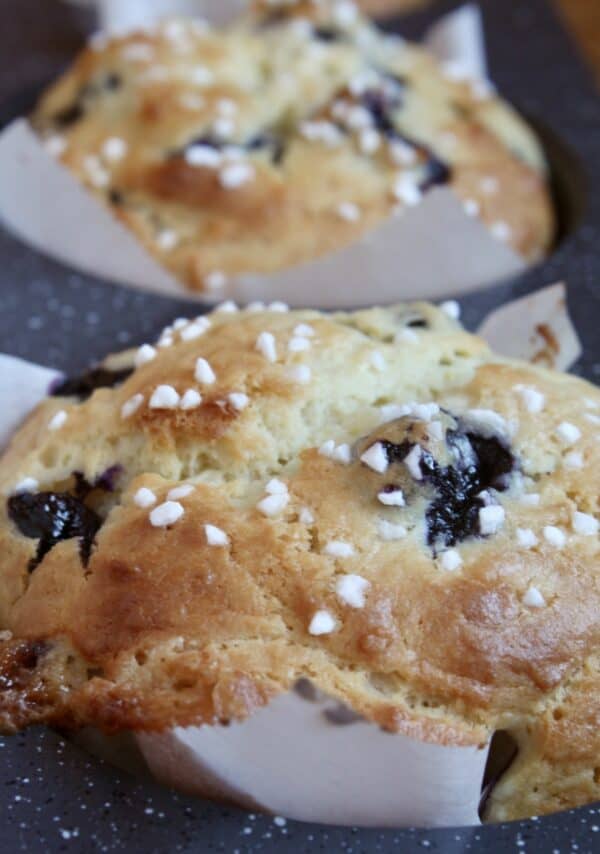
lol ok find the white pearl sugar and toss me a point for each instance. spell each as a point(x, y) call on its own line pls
point(322, 623)
point(491, 519)
point(215, 536)
point(451, 560)
point(144, 498)
point(166, 514)
point(336, 548)
point(351, 590)
point(533, 598)
point(376, 458)
point(203, 372)
point(164, 397)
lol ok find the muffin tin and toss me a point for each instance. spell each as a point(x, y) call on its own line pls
point(55, 796)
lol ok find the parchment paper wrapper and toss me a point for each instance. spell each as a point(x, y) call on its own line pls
point(458, 39)
point(119, 15)
point(305, 756)
point(22, 386)
point(314, 761)
point(536, 328)
point(430, 251)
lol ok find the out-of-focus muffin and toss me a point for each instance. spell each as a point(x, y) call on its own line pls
point(287, 136)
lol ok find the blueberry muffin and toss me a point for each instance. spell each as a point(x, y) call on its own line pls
point(371, 500)
point(287, 136)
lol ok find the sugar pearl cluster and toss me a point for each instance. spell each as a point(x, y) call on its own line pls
point(351, 589)
point(169, 512)
point(350, 118)
point(276, 500)
point(231, 163)
point(165, 396)
point(299, 343)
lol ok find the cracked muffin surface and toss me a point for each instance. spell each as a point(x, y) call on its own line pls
point(285, 137)
point(373, 501)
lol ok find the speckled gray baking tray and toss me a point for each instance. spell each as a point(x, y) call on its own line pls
point(53, 796)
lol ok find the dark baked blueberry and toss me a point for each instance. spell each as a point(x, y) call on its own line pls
point(116, 198)
point(413, 319)
point(268, 142)
point(327, 34)
point(84, 385)
point(375, 101)
point(109, 82)
point(437, 172)
point(51, 517)
point(396, 453)
point(107, 482)
point(494, 459)
point(382, 101)
point(75, 112)
point(69, 116)
point(417, 323)
point(479, 463)
point(113, 81)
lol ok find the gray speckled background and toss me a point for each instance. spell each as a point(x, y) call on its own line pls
point(55, 797)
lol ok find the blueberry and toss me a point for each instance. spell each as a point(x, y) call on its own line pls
point(84, 385)
point(107, 481)
point(380, 105)
point(481, 463)
point(417, 323)
point(327, 34)
point(380, 102)
point(270, 142)
point(375, 101)
point(68, 116)
point(478, 463)
point(51, 517)
point(112, 82)
point(75, 112)
point(396, 453)
point(437, 172)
